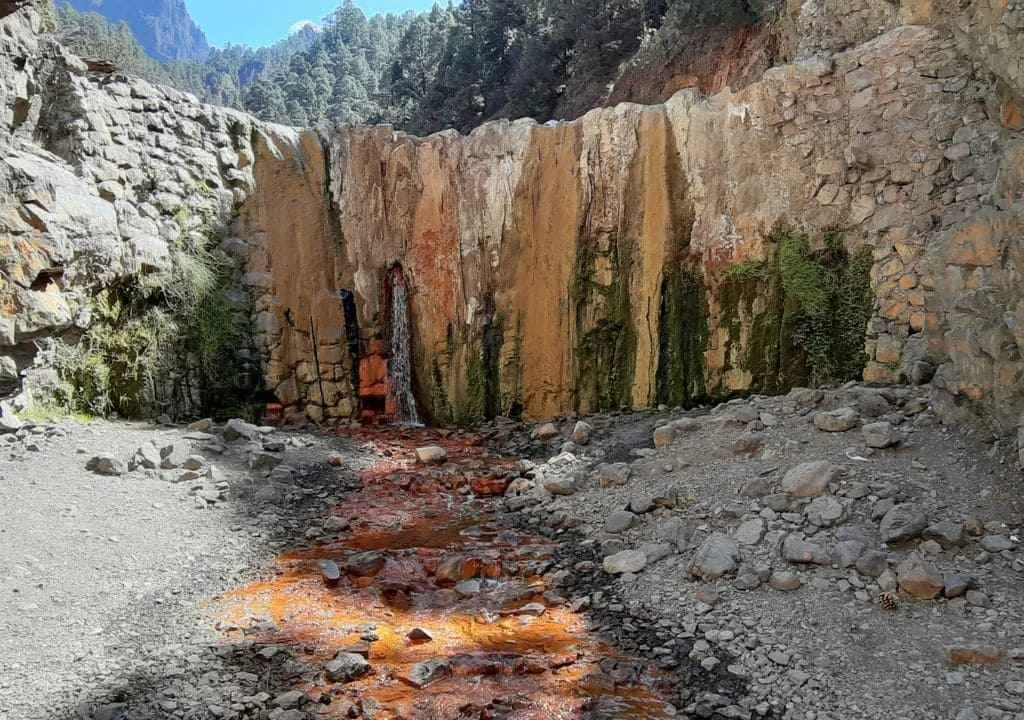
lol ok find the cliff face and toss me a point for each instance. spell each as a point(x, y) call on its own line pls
point(632, 257)
point(856, 211)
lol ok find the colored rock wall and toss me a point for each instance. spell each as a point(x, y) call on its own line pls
point(631, 258)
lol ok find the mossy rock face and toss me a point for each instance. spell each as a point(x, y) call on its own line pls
point(807, 308)
point(606, 338)
point(683, 339)
point(180, 343)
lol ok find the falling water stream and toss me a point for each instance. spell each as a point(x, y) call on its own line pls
point(400, 364)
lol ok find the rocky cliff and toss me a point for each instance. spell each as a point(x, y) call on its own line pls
point(855, 211)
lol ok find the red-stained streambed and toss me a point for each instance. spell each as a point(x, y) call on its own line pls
point(424, 550)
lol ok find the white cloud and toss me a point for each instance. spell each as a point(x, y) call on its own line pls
point(300, 25)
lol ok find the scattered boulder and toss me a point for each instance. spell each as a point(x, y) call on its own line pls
point(880, 435)
point(237, 429)
point(581, 433)
point(262, 461)
point(841, 420)
point(561, 485)
point(619, 521)
point(627, 561)
point(429, 671)
point(918, 578)
point(106, 464)
point(147, 456)
point(329, 571)
point(718, 555)
point(811, 478)
point(205, 425)
point(10, 424)
point(997, 543)
point(954, 586)
point(845, 553)
point(798, 550)
point(784, 581)
point(903, 522)
point(947, 533)
point(431, 455)
point(419, 636)
point(546, 432)
point(872, 563)
point(174, 455)
point(670, 432)
point(612, 474)
point(825, 511)
point(641, 504)
point(346, 667)
point(365, 564)
point(750, 532)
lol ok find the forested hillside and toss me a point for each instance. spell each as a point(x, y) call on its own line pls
point(454, 66)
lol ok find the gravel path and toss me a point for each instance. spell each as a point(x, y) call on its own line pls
point(104, 577)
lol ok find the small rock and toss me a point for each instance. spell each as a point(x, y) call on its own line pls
point(236, 429)
point(641, 504)
point(546, 432)
point(174, 455)
point(205, 425)
point(825, 511)
point(668, 433)
point(872, 563)
point(365, 564)
point(750, 532)
point(262, 461)
point(978, 598)
point(903, 522)
point(619, 521)
point(796, 550)
point(847, 552)
point(346, 667)
point(560, 485)
point(147, 456)
point(429, 671)
point(419, 636)
point(784, 581)
point(955, 586)
point(288, 700)
point(840, 420)
point(880, 435)
point(106, 464)
point(997, 543)
point(717, 555)
point(431, 455)
point(627, 561)
point(810, 479)
point(329, 571)
point(918, 578)
point(947, 533)
point(581, 433)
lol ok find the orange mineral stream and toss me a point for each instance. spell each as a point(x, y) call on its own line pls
point(418, 534)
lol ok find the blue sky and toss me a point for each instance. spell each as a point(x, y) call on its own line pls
point(261, 22)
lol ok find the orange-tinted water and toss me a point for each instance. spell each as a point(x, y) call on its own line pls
point(431, 535)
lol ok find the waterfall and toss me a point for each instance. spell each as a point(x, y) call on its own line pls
point(400, 364)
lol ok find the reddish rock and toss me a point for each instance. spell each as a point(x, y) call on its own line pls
point(489, 485)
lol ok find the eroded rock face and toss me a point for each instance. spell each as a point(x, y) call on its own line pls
point(624, 259)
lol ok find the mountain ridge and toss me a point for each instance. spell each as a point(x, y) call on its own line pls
point(164, 28)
